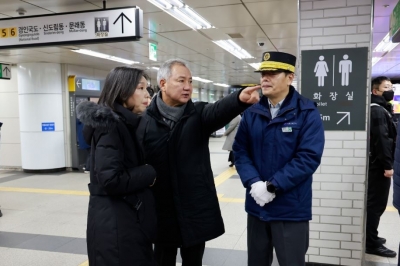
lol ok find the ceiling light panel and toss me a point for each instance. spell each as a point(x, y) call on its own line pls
point(183, 13)
point(202, 80)
point(256, 66)
point(233, 48)
point(375, 60)
point(221, 85)
point(386, 45)
point(105, 56)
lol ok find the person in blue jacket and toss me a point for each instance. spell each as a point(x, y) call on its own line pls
point(277, 149)
point(396, 178)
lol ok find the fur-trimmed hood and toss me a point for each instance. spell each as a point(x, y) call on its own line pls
point(96, 115)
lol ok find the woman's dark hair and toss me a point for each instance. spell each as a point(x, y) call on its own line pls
point(120, 84)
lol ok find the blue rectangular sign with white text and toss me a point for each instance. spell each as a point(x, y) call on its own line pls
point(48, 126)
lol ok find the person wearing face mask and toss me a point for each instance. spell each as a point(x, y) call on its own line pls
point(380, 172)
point(121, 221)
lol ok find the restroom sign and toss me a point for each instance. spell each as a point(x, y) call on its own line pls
point(336, 79)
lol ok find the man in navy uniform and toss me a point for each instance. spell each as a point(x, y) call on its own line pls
point(277, 149)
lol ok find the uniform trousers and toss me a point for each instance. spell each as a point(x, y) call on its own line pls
point(290, 240)
point(378, 194)
point(191, 256)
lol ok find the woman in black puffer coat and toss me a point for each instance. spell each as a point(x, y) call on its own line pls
point(121, 218)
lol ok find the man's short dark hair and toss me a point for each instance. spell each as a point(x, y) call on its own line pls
point(376, 82)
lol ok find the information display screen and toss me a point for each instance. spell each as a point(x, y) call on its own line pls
point(90, 85)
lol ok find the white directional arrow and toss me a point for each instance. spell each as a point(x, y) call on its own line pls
point(78, 83)
point(347, 114)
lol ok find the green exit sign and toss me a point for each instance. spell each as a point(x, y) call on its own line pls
point(395, 24)
point(153, 51)
point(5, 71)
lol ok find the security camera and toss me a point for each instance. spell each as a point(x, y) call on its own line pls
point(260, 43)
point(21, 11)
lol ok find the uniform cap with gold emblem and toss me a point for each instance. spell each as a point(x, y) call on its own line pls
point(273, 61)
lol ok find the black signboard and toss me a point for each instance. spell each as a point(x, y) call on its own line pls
point(336, 79)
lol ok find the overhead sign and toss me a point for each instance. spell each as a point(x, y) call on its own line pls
point(48, 126)
point(336, 79)
point(110, 25)
point(5, 71)
point(153, 51)
point(395, 24)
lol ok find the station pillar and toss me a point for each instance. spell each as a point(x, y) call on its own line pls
point(41, 117)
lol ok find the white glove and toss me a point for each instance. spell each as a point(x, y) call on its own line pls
point(260, 193)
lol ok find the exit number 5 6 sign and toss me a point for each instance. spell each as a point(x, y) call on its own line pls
point(8, 32)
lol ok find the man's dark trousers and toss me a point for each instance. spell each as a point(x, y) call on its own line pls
point(378, 194)
point(290, 240)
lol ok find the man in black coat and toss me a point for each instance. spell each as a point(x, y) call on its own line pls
point(175, 134)
point(382, 145)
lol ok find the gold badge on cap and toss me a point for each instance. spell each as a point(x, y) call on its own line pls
point(266, 56)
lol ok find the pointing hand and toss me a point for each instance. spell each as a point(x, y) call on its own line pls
point(250, 95)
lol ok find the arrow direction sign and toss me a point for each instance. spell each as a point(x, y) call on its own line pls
point(122, 16)
point(5, 71)
point(347, 114)
point(88, 27)
point(78, 83)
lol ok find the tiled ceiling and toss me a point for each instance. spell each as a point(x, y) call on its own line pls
point(277, 30)
point(389, 65)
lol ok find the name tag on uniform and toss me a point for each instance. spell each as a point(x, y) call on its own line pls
point(287, 129)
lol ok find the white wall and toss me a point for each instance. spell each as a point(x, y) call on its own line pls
point(337, 229)
point(10, 143)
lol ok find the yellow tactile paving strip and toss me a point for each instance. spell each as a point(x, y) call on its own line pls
point(45, 191)
point(218, 181)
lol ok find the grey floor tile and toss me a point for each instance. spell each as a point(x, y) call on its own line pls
point(54, 229)
point(76, 246)
point(25, 257)
point(12, 240)
point(236, 258)
point(45, 243)
point(239, 258)
point(373, 263)
point(14, 177)
point(216, 256)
